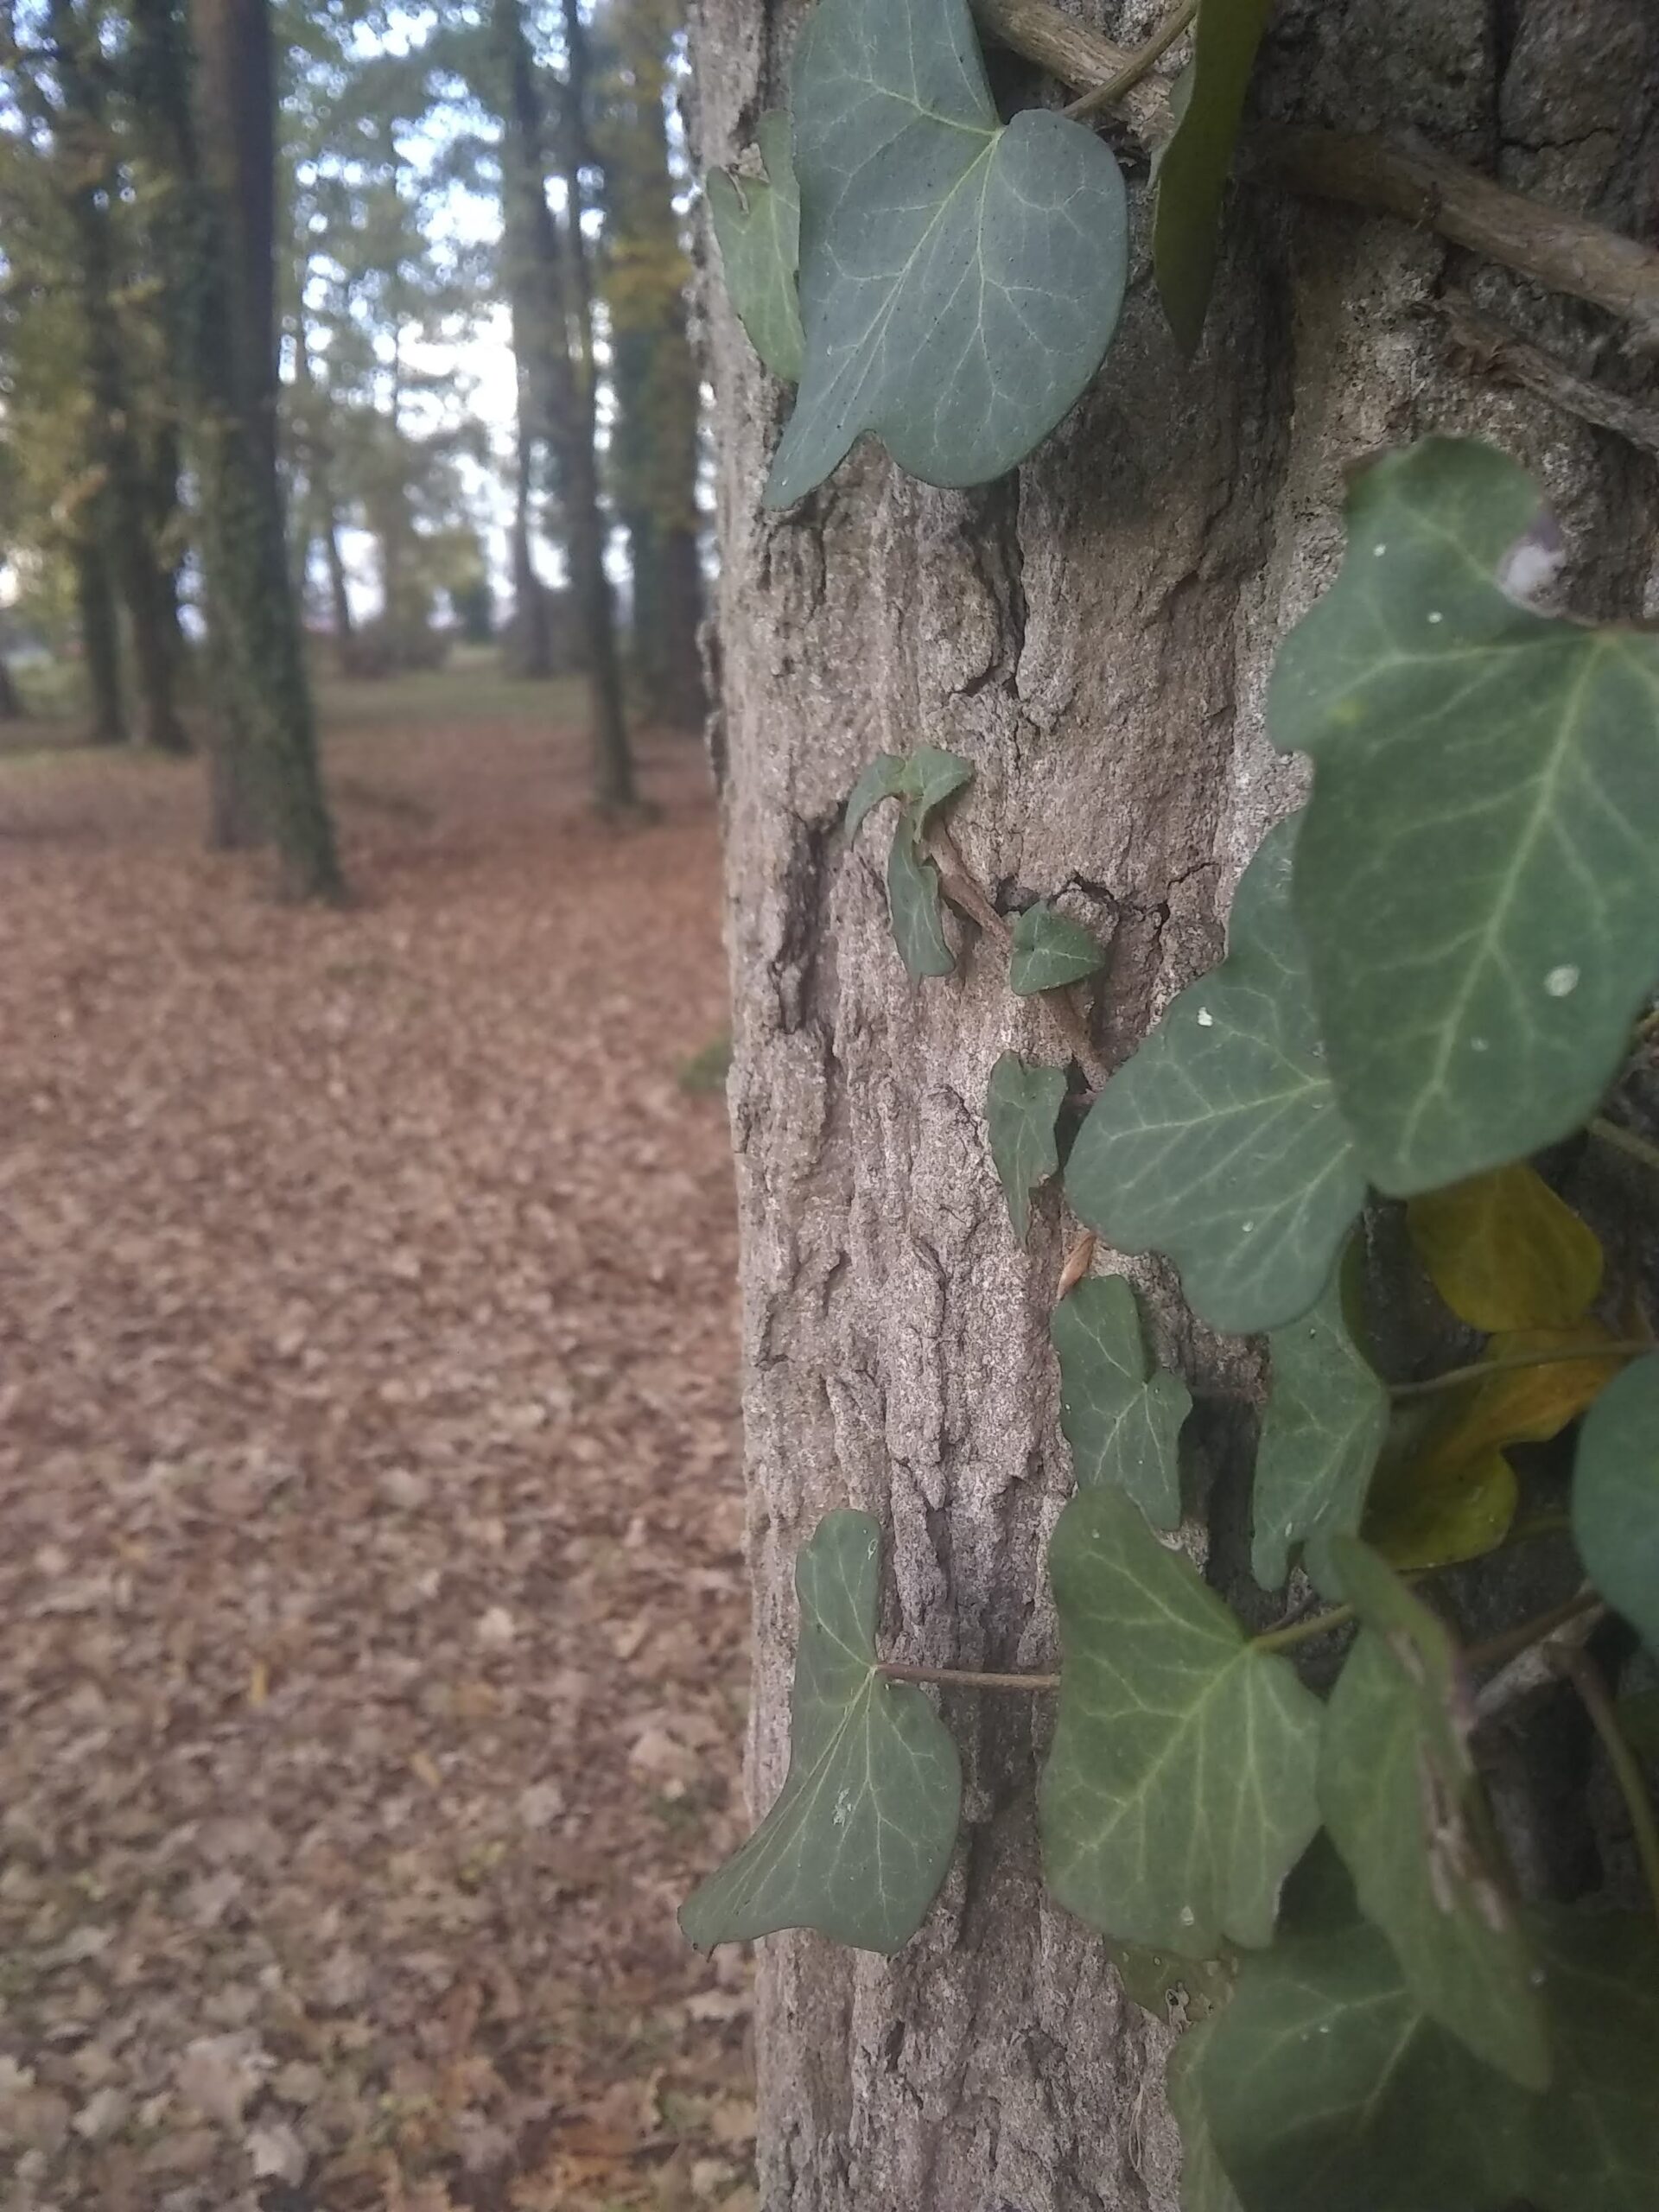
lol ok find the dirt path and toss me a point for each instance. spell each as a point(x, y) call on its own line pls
point(371, 1613)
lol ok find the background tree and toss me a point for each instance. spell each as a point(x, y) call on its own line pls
point(1095, 632)
point(644, 276)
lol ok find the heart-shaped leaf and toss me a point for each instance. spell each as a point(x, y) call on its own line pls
point(1505, 1253)
point(1399, 1793)
point(913, 907)
point(1193, 166)
point(1219, 1142)
point(1021, 1108)
point(1121, 1414)
point(758, 223)
point(1616, 1497)
point(1474, 876)
point(925, 779)
point(1421, 1516)
point(1325, 2084)
point(1326, 1417)
point(1179, 1790)
point(1048, 950)
point(960, 281)
point(861, 1836)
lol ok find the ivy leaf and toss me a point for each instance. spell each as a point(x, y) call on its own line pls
point(1326, 2085)
point(758, 223)
point(1505, 1253)
point(1122, 1416)
point(925, 779)
point(1192, 166)
point(1021, 1108)
point(1421, 1516)
point(913, 907)
point(1179, 1790)
point(1401, 1798)
point(1205, 2185)
point(1326, 1417)
point(1616, 1497)
point(1048, 950)
point(1474, 877)
point(862, 1835)
point(1170, 1987)
point(1219, 1142)
point(960, 281)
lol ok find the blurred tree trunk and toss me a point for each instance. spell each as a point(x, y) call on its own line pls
point(548, 280)
point(1094, 632)
point(645, 275)
point(11, 707)
point(216, 233)
point(529, 632)
point(100, 622)
point(88, 155)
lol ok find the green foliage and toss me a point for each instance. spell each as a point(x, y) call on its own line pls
point(959, 280)
point(924, 779)
point(1120, 1415)
point(1170, 1987)
point(1326, 1417)
point(1022, 1105)
point(1193, 166)
point(1219, 1142)
point(1048, 950)
point(1616, 1497)
point(1400, 1796)
point(1178, 1790)
point(860, 1838)
point(913, 907)
point(1475, 885)
point(758, 223)
point(1205, 2185)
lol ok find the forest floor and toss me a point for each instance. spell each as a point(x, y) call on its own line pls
point(373, 1618)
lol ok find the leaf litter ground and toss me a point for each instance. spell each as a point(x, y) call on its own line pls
point(372, 1623)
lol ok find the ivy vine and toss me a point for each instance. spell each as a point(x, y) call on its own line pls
point(1440, 969)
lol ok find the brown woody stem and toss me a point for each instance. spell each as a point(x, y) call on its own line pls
point(955, 1678)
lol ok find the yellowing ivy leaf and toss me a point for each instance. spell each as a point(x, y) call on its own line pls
point(1525, 1405)
point(1422, 1516)
point(1505, 1253)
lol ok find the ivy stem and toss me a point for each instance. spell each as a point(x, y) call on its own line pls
point(1301, 1632)
point(1625, 1141)
point(956, 881)
point(1139, 61)
point(1497, 1648)
point(1477, 1371)
point(956, 1678)
point(1587, 1679)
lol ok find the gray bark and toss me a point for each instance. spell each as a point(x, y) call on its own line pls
point(1095, 633)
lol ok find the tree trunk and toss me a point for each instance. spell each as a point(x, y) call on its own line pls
point(100, 643)
point(1094, 632)
point(11, 705)
point(530, 634)
point(217, 242)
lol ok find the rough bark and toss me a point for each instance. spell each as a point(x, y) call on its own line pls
point(1095, 632)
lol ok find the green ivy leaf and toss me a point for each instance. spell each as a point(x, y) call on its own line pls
point(1327, 2086)
point(925, 779)
point(1219, 1142)
point(1326, 1417)
point(1401, 1798)
point(1122, 1415)
point(1474, 877)
point(1179, 1790)
point(1172, 1988)
point(960, 281)
point(1205, 2185)
point(1021, 1108)
point(913, 907)
point(1616, 1497)
point(862, 1835)
point(1048, 950)
point(1193, 166)
point(757, 225)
